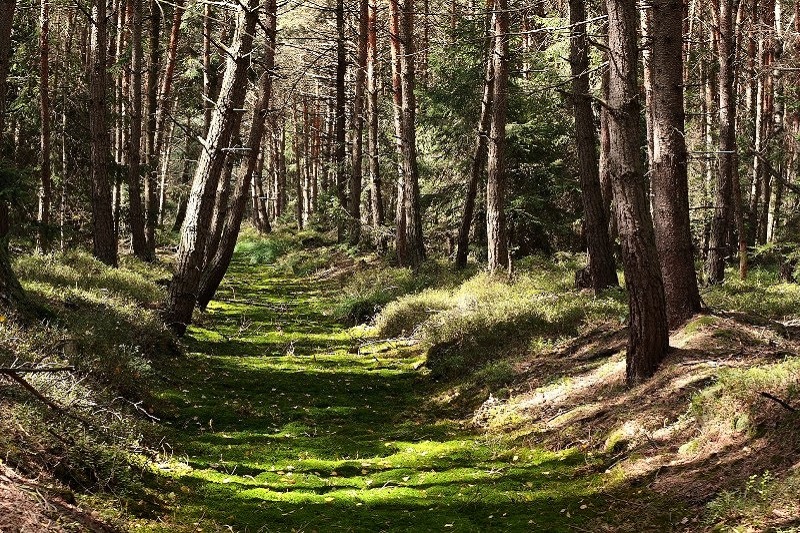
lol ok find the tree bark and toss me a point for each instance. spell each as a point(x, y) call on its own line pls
point(340, 147)
point(479, 151)
point(194, 234)
point(136, 213)
point(401, 246)
point(647, 324)
point(496, 181)
point(376, 197)
point(358, 125)
point(11, 292)
point(151, 180)
point(45, 185)
point(669, 179)
point(104, 238)
point(215, 271)
point(413, 214)
point(727, 177)
point(602, 270)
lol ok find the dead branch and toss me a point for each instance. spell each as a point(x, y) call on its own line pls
point(777, 400)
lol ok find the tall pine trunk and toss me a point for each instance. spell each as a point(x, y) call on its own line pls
point(358, 125)
point(45, 184)
point(727, 177)
point(669, 179)
point(136, 212)
point(104, 238)
point(151, 155)
point(602, 270)
point(373, 140)
point(648, 338)
point(496, 180)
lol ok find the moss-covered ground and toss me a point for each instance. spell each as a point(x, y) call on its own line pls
point(285, 420)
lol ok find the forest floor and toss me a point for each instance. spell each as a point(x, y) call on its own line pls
point(458, 402)
point(287, 421)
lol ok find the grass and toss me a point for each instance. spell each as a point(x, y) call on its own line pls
point(286, 421)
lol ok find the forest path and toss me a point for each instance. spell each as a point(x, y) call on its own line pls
point(281, 424)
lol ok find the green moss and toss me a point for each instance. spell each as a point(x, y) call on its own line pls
point(283, 418)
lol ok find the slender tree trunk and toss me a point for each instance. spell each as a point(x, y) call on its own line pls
point(164, 95)
point(340, 147)
point(11, 292)
point(358, 125)
point(602, 270)
point(479, 151)
point(105, 242)
point(411, 201)
point(136, 211)
point(216, 269)
point(45, 186)
point(208, 80)
point(376, 197)
point(669, 178)
point(401, 245)
point(151, 180)
point(727, 177)
point(647, 326)
point(496, 183)
point(194, 234)
point(183, 198)
point(296, 146)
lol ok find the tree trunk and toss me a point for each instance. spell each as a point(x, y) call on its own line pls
point(164, 96)
point(104, 238)
point(194, 234)
point(496, 181)
point(647, 326)
point(602, 270)
point(151, 180)
point(136, 211)
point(669, 179)
point(358, 125)
point(411, 201)
point(340, 151)
point(401, 246)
point(216, 269)
point(11, 292)
point(479, 151)
point(376, 197)
point(208, 79)
point(727, 177)
point(45, 186)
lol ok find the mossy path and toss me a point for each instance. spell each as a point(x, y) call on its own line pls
point(284, 420)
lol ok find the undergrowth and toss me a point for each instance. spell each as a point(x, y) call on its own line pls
point(103, 323)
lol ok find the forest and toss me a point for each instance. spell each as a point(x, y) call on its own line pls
point(399, 265)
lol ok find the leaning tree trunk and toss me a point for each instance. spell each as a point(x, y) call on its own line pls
point(215, 271)
point(194, 234)
point(105, 241)
point(727, 177)
point(669, 180)
point(136, 211)
point(478, 153)
point(496, 181)
point(648, 338)
point(602, 270)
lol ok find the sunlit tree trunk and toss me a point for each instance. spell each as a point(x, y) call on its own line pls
point(647, 323)
point(151, 176)
point(496, 182)
point(194, 233)
point(669, 176)
point(602, 270)
point(358, 125)
point(376, 197)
